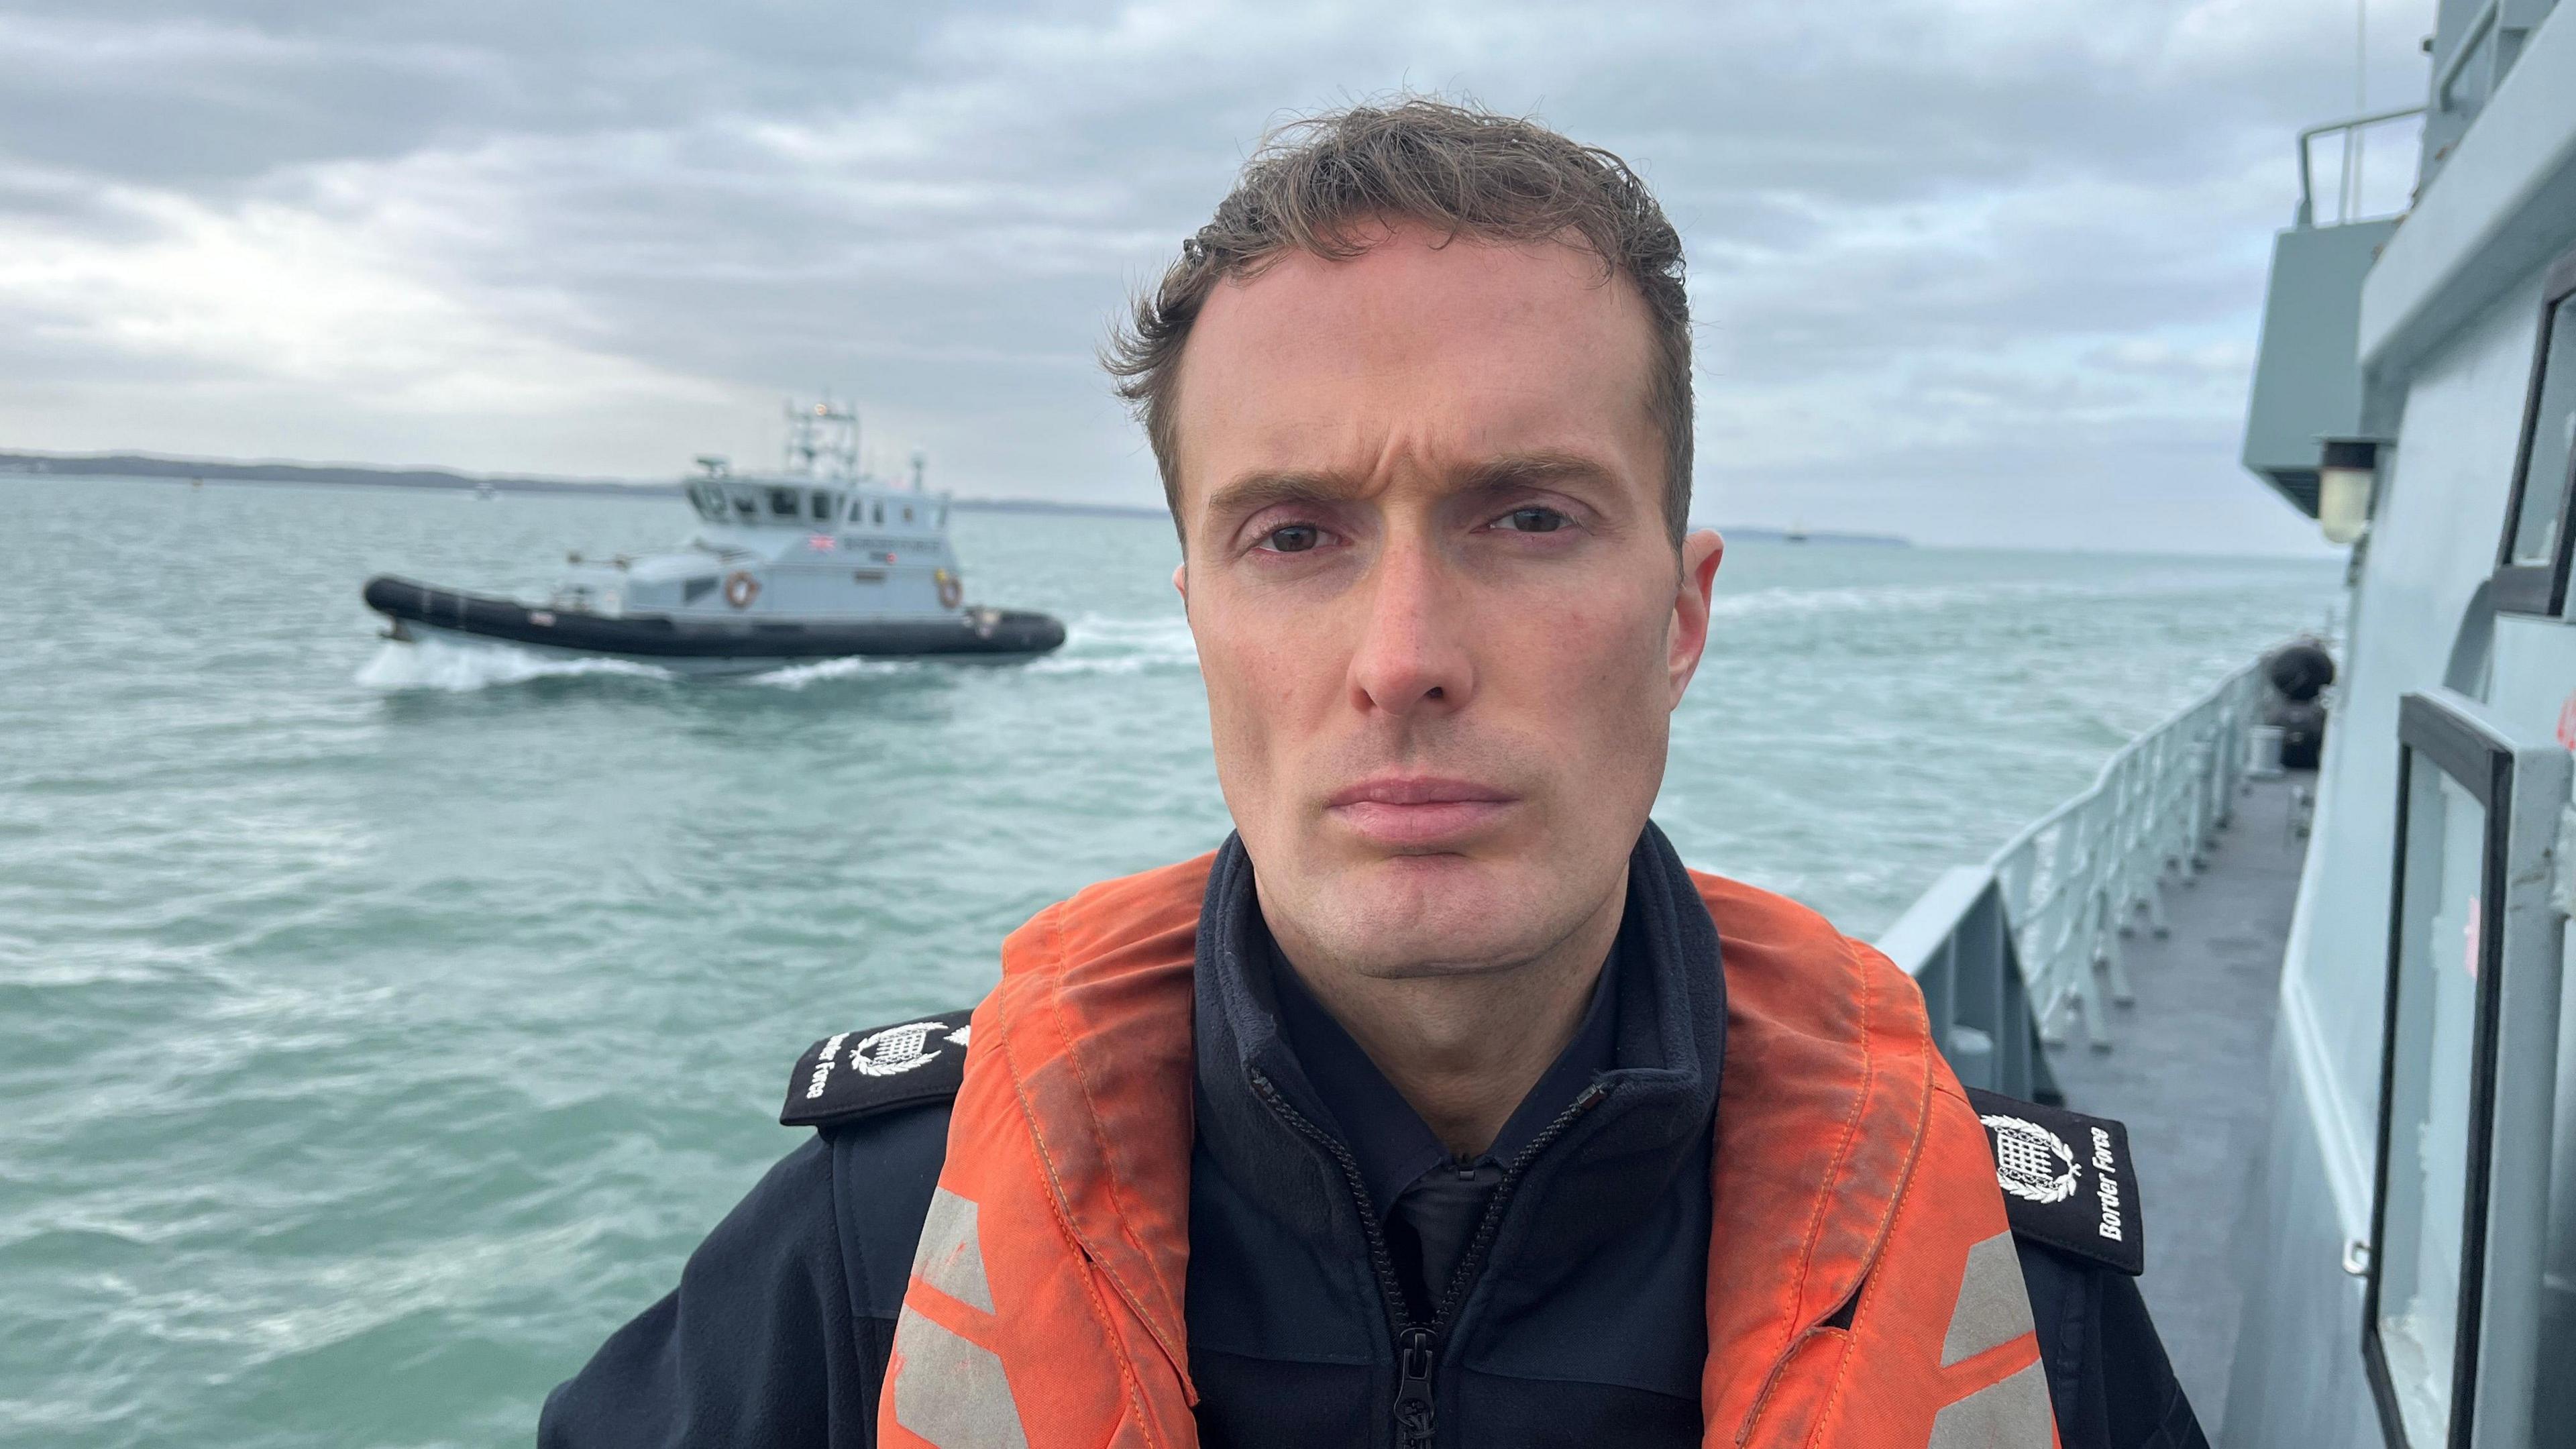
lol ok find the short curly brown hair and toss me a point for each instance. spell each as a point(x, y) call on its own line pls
point(1324, 183)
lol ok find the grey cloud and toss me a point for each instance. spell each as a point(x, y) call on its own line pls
point(1947, 221)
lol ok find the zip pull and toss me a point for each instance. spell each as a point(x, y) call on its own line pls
point(1413, 1388)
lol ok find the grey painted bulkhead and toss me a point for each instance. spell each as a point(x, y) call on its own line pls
point(2448, 320)
point(2299, 1377)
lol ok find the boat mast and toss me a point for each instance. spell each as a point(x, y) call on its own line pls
point(822, 440)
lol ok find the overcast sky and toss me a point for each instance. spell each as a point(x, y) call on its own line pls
point(1979, 272)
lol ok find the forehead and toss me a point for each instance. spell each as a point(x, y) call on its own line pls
point(1440, 353)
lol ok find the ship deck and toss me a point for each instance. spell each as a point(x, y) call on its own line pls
point(2188, 1072)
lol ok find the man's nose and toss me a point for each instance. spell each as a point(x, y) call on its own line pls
point(1412, 657)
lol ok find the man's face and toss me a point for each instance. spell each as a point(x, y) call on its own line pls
point(1442, 625)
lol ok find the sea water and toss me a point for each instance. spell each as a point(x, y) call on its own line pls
point(381, 1026)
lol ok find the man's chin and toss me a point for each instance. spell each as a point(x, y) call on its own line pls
point(1438, 915)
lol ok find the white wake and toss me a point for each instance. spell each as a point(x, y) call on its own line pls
point(437, 664)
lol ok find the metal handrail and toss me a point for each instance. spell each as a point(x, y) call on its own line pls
point(2048, 909)
point(2078, 876)
point(2465, 49)
point(2307, 189)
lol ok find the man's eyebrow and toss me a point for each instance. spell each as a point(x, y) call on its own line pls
point(1252, 492)
point(1249, 493)
point(1525, 470)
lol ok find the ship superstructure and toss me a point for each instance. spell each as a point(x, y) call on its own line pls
point(2370, 1238)
point(2414, 1235)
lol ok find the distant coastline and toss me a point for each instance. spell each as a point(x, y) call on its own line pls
point(216, 470)
point(1746, 533)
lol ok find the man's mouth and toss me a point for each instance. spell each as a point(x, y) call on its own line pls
point(1415, 811)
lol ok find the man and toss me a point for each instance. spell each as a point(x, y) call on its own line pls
point(1441, 1106)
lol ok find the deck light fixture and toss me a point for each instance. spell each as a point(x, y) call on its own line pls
point(2349, 475)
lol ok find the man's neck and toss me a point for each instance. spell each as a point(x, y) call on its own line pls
point(1465, 1042)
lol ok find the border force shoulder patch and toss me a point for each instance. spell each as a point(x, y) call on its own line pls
point(857, 1073)
point(2068, 1180)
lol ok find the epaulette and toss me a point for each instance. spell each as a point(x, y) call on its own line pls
point(2068, 1179)
point(857, 1073)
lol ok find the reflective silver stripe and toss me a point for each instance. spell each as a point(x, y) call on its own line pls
point(2011, 1413)
point(1994, 1307)
point(950, 1391)
point(951, 1257)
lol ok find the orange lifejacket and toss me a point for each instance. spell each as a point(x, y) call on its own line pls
point(1863, 1289)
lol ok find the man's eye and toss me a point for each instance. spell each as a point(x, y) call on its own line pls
point(1295, 538)
point(1533, 519)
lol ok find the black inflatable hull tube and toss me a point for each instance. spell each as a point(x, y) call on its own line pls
point(659, 637)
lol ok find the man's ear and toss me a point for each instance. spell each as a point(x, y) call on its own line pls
point(1701, 554)
point(1181, 582)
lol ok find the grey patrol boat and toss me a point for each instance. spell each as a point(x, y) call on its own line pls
point(818, 561)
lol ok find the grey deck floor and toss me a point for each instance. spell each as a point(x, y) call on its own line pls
point(2188, 1073)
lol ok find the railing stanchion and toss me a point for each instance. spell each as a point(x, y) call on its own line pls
point(2006, 951)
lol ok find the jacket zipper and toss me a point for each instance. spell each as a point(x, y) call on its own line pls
point(1417, 1345)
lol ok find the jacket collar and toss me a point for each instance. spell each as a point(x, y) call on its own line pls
point(1395, 1147)
point(1598, 1180)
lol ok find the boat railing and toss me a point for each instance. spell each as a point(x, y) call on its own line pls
point(2348, 202)
point(2032, 936)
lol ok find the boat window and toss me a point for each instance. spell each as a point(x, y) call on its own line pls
point(782, 502)
point(2456, 1117)
point(2549, 441)
point(2436, 976)
point(2532, 568)
point(880, 513)
point(907, 513)
point(746, 506)
point(822, 506)
point(943, 515)
point(695, 589)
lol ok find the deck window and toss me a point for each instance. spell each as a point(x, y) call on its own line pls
point(880, 514)
point(2463, 1104)
point(783, 502)
point(747, 507)
point(2439, 955)
point(2542, 484)
point(2532, 564)
point(823, 506)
